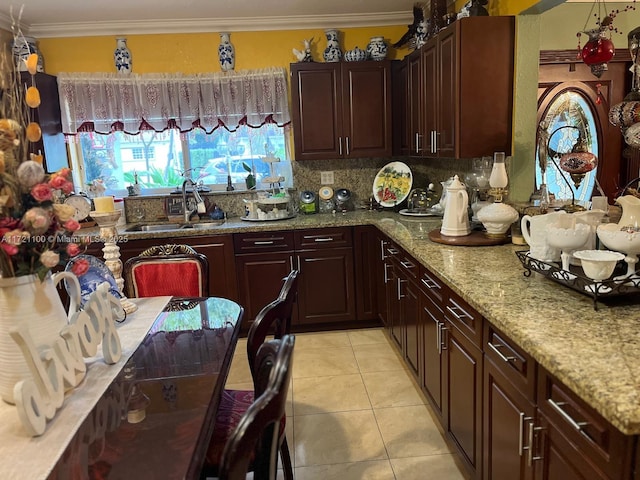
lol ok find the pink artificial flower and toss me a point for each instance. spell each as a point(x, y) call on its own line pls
point(8, 248)
point(57, 181)
point(37, 220)
point(73, 249)
point(67, 188)
point(65, 172)
point(80, 267)
point(49, 258)
point(42, 192)
point(71, 225)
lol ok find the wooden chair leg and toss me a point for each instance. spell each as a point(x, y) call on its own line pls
point(286, 460)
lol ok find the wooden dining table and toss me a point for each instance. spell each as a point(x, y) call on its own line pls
point(155, 419)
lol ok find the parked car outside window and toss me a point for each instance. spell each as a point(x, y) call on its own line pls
point(217, 170)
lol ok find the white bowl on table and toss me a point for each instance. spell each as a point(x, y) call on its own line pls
point(598, 265)
point(567, 240)
point(622, 240)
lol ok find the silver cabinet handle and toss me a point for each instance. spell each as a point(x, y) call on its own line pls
point(443, 340)
point(323, 239)
point(406, 264)
point(383, 245)
point(499, 353)
point(291, 263)
point(530, 447)
point(417, 142)
point(393, 251)
point(386, 274)
point(263, 242)
point(557, 406)
point(453, 311)
point(340, 145)
point(430, 284)
point(400, 282)
point(433, 141)
point(521, 433)
point(299, 269)
point(346, 141)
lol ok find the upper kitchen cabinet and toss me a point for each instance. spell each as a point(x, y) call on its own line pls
point(464, 90)
point(341, 110)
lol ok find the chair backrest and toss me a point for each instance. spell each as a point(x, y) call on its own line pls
point(171, 269)
point(273, 318)
point(257, 435)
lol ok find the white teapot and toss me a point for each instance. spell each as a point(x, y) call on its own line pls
point(455, 222)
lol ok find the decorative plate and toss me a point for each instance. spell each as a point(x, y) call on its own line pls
point(392, 184)
point(98, 272)
point(426, 213)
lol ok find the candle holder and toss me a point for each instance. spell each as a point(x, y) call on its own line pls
point(111, 252)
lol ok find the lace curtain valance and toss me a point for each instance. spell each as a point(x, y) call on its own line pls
point(104, 102)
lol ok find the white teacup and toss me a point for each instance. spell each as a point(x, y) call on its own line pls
point(534, 231)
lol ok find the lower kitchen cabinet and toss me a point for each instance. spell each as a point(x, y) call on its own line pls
point(326, 286)
point(408, 326)
point(382, 265)
point(366, 253)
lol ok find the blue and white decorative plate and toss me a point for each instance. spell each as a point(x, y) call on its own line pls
point(98, 273)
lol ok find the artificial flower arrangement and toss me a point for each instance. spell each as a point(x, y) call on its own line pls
point(36, 232)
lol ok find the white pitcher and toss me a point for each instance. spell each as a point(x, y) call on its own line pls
point(534, 231)
point(455, 221)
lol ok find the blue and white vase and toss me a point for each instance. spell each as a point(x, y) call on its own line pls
point(332, 53)
point(377, 49)
point(226, 53)
point(122, 56)
point(22, 47)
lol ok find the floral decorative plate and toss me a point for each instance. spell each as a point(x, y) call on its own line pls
point(98, 272)
point(392, 184)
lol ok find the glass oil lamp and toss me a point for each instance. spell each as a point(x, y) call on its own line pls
point(497, 217)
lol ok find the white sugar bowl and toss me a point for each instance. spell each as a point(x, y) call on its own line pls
point(497, 218)
point(598, 265)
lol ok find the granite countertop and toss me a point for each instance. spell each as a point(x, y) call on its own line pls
point(595, 353)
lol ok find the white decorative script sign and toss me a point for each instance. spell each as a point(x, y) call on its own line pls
point(59, 367)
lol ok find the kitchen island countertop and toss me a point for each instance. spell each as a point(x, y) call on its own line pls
point(596, 353)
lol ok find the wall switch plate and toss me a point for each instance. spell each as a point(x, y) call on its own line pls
point(326, 178)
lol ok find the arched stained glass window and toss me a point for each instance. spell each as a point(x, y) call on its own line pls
point(567, 125)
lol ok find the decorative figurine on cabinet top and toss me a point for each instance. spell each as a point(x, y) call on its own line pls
point(304, 55)
point(332, 53)
point(226, 53)
point(122, 56)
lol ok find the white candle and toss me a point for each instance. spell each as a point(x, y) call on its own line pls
point(104, 204)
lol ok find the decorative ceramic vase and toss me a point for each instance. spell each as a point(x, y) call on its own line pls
point(377, 49)
point(332, 53)
point(355, 55)
point(122, 56)
point(226, 53)
point(22, 48)
point(27, 301)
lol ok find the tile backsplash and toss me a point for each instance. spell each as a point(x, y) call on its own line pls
point(357, 175)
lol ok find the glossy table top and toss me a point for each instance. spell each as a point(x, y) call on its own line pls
point(155, 419)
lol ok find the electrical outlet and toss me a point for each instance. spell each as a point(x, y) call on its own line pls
point(326, 178)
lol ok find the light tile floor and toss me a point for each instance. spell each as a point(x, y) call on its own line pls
point(355, 412)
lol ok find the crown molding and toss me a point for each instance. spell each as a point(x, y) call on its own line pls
point(198, 25)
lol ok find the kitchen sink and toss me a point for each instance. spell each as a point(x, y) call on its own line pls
point(160, 227)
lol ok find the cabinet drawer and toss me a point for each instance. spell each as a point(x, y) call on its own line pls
point(586, 429)
point(465, 318)
point(258, 242)
point(323, 238)
point(406, 264)
point(432, 286)
point(511, 360)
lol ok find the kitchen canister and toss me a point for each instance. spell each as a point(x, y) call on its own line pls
point(308, 202)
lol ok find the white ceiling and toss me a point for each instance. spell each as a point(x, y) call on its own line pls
point(61, 18)
point(73, 18)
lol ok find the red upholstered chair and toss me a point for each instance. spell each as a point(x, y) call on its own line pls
point(176, 270)
point(253, 445)
point(275, 318)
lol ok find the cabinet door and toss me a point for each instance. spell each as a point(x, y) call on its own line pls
point(382, 276)
point(411, 318)
point(366, 269)
point(326, 287)
point(316, 93)
point(448, 98)
point(366, 104)
point(400, 107)
point(463, 395)
point(222, 269)
point(260, 278)
point(508, 428)
point(430, 103)
point(432, 341)
point(415, 86)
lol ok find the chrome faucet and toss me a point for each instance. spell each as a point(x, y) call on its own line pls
point(200, 206)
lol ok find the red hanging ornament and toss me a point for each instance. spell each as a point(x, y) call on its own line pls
point(597, 51)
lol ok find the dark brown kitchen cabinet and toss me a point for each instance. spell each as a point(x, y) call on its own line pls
point(366, 253)
point(509, 416)
point(459, 90)
point(382, 265)
point(407, 111)
point(408, 327)
point(262, 260)
point(326, 286)
point(341, 110)
point(574, 441)
point(462, 380)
